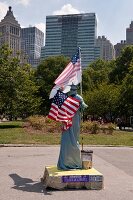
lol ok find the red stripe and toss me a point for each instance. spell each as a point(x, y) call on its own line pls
point(67, 113)
point(67, 68)
point(54, 106)
point(74, 99)
point(69, 100)
point(54, 113)
point(66, 71)
point(63, 109)
point(62, 115)
point(63, 75)
point(62, 119)
point(56, 118)
point(59, 113)
point(70, 108)
point(67, 78)
point(49, 116)
point(76, 104)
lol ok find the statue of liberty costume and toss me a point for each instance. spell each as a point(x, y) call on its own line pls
point(69, 157)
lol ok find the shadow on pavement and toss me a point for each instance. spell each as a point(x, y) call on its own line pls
point(28, 185)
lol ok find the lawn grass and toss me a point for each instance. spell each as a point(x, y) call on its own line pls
point(123, 138)
point(14, 133)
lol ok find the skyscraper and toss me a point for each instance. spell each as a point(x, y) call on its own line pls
point(64, 33)
point(119, 47)
point(32, 39)
point(10, 32)
point(107, 51)
point(129, 34)
point(129, 40)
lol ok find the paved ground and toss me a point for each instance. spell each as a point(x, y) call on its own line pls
point(22, 167)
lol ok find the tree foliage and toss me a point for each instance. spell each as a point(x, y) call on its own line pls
point(122, 65)
point(95, 74)
point(126, 95)
point(103, 101)
point(107, 85)
point(17, 89)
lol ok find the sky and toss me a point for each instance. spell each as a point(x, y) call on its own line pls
point(113, 16)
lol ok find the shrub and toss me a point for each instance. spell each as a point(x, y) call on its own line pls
point(86, 126)
point(95, 127)
point(111, 128)
point(90, 127)
point(108, 128)
point(44, 124)
point(36, 121)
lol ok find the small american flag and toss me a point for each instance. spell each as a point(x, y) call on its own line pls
point(63, 108)
point(71, 74)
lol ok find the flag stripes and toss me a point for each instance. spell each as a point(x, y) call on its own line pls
point(65, 113)
point(68, 73)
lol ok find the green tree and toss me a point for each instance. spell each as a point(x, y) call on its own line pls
point(126, 95)
point(122, 65)
point(103, 101)
point(95, 74)
point(17, 89)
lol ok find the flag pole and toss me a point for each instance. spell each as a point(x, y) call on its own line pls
point(81, 91)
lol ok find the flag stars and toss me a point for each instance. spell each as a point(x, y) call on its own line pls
point(75, 58)
point(59, 98)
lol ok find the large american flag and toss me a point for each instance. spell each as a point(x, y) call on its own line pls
point(63, 108)
point(72, 74)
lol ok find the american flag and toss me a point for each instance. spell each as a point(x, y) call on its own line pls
point(71, 75)
point(63, 108)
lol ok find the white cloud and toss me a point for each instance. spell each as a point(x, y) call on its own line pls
point(66, 9)
point(3, 10)
point(23, 26)
point(23, 2)
point(41, 26)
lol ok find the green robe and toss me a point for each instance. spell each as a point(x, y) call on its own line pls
point(69, 157)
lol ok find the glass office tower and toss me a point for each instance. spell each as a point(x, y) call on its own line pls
point(32, 39)
point(64, 33)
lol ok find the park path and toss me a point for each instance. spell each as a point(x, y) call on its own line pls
point(22, 167)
